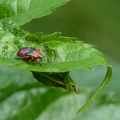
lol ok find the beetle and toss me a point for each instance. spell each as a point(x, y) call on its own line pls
point(29, 53)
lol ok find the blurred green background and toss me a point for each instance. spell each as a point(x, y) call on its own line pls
point(95, 22)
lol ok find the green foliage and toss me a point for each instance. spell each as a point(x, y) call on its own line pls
point(64, 56)
point(65, 53)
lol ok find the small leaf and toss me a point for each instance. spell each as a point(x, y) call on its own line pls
point(62, 80)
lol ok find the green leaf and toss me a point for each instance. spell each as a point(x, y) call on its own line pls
point(64, 56)
point(16, 13)
point(62, 80)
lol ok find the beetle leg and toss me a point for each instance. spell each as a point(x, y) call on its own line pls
point(47, 58)
point(30, 59)
point(38, 62)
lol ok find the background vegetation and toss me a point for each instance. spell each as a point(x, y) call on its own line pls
point(94, 22)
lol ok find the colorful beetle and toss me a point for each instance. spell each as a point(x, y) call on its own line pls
point(29, 53)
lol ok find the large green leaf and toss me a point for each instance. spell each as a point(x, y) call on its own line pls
point(15, 13)
point(64, 56)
